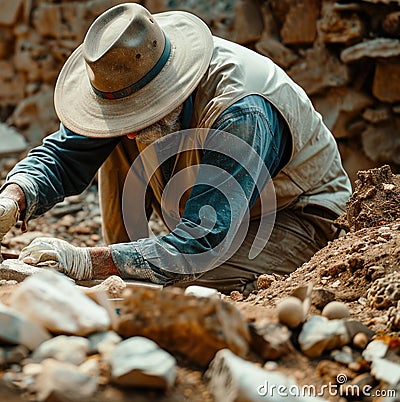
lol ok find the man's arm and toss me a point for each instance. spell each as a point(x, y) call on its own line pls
point(63, 165)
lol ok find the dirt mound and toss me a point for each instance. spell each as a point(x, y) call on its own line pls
point(375, 200)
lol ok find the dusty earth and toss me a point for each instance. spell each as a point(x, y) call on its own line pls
point(345, 270)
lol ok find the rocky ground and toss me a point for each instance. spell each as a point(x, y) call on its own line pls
point(284, 329)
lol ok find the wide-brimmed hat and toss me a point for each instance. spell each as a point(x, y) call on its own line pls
point(132, 69)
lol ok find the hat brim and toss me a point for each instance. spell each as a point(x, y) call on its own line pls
point(85, 113)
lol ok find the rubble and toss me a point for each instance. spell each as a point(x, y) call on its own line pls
point(231, 379)
point(139, 362)
point(17, 329)
point(52, 300)
point(195, 327)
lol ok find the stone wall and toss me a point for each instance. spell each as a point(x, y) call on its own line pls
point(346, 55)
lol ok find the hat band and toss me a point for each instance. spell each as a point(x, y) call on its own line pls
point(136, 86)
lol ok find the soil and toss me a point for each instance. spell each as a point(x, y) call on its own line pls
point(345, 270)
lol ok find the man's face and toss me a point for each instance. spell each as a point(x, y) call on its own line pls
point(167, 125)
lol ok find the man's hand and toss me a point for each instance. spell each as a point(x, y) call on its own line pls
point(72, 261)
point(9, 214)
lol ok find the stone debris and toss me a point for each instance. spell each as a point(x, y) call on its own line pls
point(335, 310)
point(202, 291)
point(290, 311)
point(319, 334)
point(11, 142)
point(139, 362)
point(232, 379)
point(103, 342)
point(374, 48)
point(57, 379)
point(195, 327)
point(113, 286)
point(16, 270)
point(17, 329)
point(386, 371)
point(376, 349)
point(53, 300)
point(384, 292)
point(69, 349)
point(270, 340)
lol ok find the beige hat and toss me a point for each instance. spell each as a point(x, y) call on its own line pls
point(132, 69)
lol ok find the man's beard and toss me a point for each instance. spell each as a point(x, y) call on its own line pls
point(167, 125)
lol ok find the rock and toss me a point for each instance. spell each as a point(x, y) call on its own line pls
point(394, 317)
point(376, 115)
point(103, 342)
point(376, 349)
point(319, 70)
point(264, 281)
point(319, 334)
point(16, 270)
point(374, 48)
point(386, 371)
point(290, 311)
point(386, 84)
point(232, 379)
point(139, 362)
point(69, 349)
point(9, 11)
point(321, 297)
point(355, 327)
point(340, 106)
point(335, 310)
point(235, 295)
point(391, 24)
point(378, 150)
point(270, 340)
point(201, 291)
point(59, 379)
point(52, 299)
point(360, 340)
point(336, 27)
point(384, 292)
point(237, 20)
point(181, 323)
point(11, 141)
point(300, 23)
point(113, 286)
point(16, 328)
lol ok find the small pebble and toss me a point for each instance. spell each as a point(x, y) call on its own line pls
point(236, 296)
point(335, 310)
point(290, 311)
point(360, 340)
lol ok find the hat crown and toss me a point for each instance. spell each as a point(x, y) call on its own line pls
point(121, 47)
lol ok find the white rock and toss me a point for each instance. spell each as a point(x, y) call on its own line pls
point(103, 342)
point(60, 379)
point(231, 378)
point(386, 370)
point(70, 349)
point(375, 350)
point(201, 291)
point(10, 140)
point(138, 361)
point(15, 328)
point(52, 299)
point(320, 334)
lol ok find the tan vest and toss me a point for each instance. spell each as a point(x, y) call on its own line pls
point(314, 174)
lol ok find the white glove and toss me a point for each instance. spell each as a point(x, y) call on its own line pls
point(72, 261)
point(9, 214)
